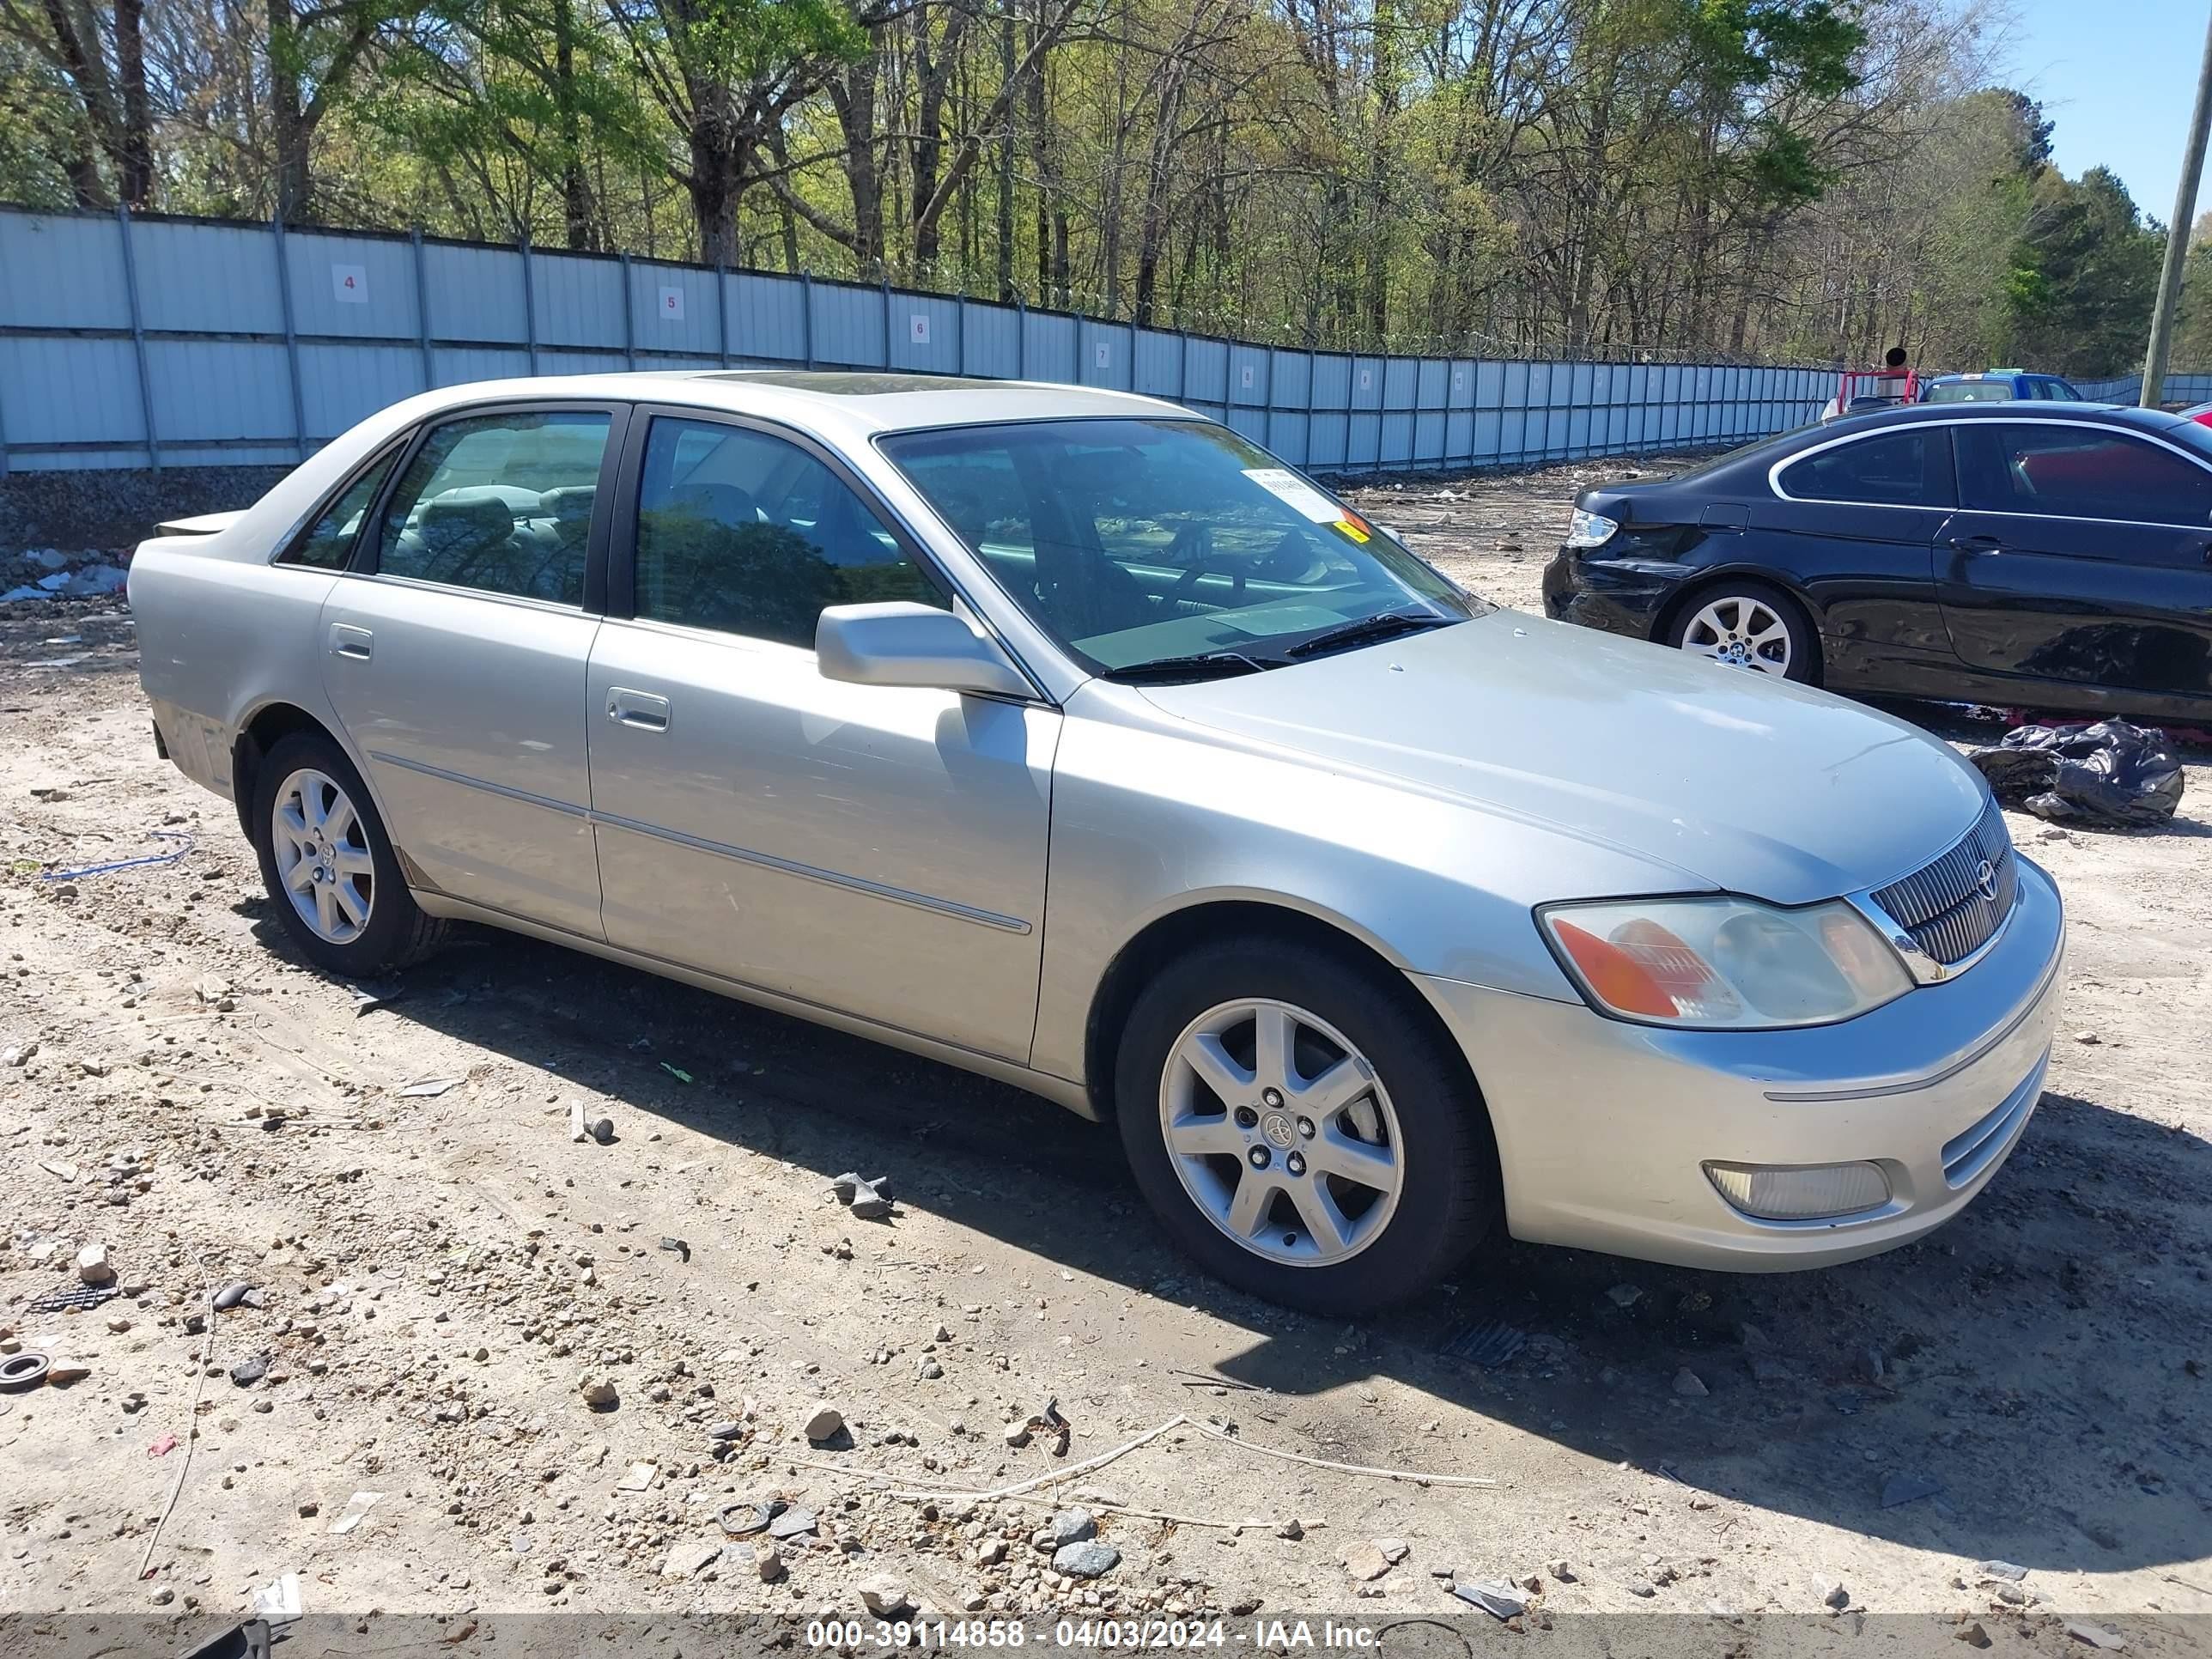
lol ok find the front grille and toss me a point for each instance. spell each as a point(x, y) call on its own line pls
point(1943, 906)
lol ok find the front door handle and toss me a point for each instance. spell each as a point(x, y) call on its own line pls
point(640, 709)
point(1977, 545)
point(347, 640)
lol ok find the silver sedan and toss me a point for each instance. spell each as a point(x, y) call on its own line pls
point(1071, 738)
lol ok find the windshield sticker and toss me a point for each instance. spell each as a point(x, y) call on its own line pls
point(1350, 523)
point(1295, 492)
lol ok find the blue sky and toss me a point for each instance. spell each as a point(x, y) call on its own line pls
point(2118, 77)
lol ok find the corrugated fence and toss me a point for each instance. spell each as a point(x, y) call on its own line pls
point(129, 342)
point(2181, 389)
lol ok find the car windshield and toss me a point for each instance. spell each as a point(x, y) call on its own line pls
point(1171, 547)
point(1971, 391)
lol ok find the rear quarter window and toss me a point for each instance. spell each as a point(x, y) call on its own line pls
point(1896, 468)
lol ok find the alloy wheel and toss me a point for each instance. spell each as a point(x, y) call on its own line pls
point(1743, 632)
point(1281, 1133)
point(323, 859)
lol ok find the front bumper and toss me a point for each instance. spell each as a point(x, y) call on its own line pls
point(1623, 598)
point(1604, 1128)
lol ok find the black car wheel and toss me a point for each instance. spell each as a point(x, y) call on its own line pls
point(1749, 625)
point(1300, 1130)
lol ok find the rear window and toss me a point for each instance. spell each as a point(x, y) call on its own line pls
point(1897, 469)
point(1971, 391)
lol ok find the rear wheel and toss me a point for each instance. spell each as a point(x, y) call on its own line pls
point(329, 865)
point(1300, 1130)
point(1750, 624)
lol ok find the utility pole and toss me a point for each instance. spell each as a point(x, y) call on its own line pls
point(2177, 237)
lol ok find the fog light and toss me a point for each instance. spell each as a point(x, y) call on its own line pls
point(1819, 1193)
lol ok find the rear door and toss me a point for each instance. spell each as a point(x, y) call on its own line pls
point(879, 850)
point(1861, 516)
point(2082, 554)
point(455, 652)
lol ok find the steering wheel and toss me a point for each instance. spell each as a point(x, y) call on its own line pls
point(1193, 547)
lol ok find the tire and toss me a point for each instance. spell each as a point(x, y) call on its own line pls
point(1741, 620)
point(1414, 1103)
point(367, 921)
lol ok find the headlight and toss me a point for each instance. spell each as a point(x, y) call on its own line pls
point(1725, 963)
point(1589, 529)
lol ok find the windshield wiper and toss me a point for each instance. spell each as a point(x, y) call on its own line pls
point(1368, 629)
point(1207, 665)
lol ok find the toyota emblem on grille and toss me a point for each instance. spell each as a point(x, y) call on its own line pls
point(1985, 877)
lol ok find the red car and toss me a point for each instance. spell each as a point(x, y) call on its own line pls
point(2201, 414)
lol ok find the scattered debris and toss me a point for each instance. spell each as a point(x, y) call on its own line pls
point(1066, 1527)
point(1489, 1343)
point(237, 1292)
point(1559, 1570)
point(76, 1299)
point(277, 1602)
point(163, 1447)
point(430, 1088)
point(638, 1477)
point(767, 1561)
point(745, 1517)
point(355, 1512)
point(825, 1422)
point(689, 1561)
point(2113, 774)
point(602, 1130)
point(1624, 1296)
point(249, 1372)
point(2001, 1569)
point(1086, 1560)
point(1366, 1561)
point(885, 1596)
point(24, 1370)
point(1836, 1596)
point(1493, 1595)
point(2096, 1636)
point(1908, 1487)
point(1972, 1634)
point(598, 1391)
point(676, 1071)
point(870, 1199)
point(792, 1522)
point(677, 1247)
point(366, 997)
point(110, 867)
point(1688, 1382)
point(59, 1169)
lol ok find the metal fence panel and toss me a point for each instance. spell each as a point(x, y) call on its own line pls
point(130, 341)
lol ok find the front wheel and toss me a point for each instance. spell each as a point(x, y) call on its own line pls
point(1300, 1130)
point(328, 863)
point(1750, 624)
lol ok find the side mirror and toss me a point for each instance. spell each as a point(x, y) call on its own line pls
point(902, 643)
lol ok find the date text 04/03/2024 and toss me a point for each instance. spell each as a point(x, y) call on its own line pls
point(1108, 1634)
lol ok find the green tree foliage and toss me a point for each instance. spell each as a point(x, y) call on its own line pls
point(1781, 179)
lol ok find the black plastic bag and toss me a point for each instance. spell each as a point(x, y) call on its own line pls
point(2112, 774)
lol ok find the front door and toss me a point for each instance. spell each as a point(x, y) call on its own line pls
point(2081, 554)
point(877, 850)
point(455, 656)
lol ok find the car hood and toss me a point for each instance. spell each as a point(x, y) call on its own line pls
point(1743, 783)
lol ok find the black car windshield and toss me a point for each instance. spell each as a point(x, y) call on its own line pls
point(1170, 544)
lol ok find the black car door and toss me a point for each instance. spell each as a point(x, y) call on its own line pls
point(1859, 518)
point(2081, 554)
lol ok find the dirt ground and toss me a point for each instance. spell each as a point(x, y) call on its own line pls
point(440, 1270)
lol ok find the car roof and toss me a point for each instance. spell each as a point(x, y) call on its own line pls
point(848, 404)
point(2142, 420)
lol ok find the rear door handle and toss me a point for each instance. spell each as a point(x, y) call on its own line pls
point(1977, 545)
point(347, 640)
point(640, 709)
